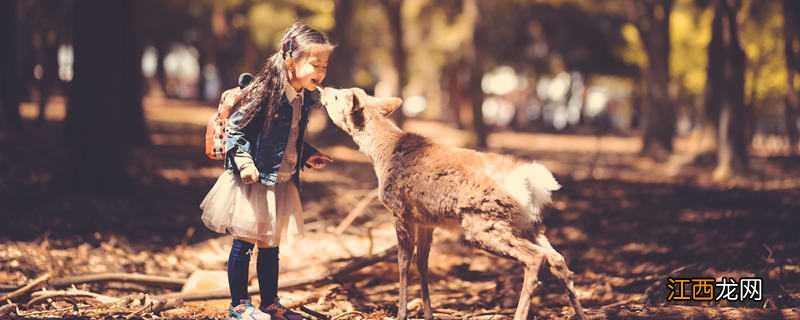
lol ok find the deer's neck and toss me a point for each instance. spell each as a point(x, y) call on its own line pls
point(378, 140)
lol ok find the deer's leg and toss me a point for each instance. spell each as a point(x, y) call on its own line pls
point(558, 267)
point(497, 237)
point(405, 248)
point(424, 239)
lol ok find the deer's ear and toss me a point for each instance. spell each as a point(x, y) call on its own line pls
point(357, 111)
point(386, 106)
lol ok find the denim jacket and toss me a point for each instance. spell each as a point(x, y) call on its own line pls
point(267, 148)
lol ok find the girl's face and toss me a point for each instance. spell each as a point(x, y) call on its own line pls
point(308, 70)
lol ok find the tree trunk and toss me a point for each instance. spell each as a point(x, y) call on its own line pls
point(9, 72)
point(162, 49)
point(394, 10)
point(475, 88)
point(725, 90)
point(104, 115)
point(343, 58)
point(26, 59)
point(133, 123)
point(49, 80)
point(454, 84)
point(791, 12)
point(202, 61)
point(651, 17)
point(340, 74)
point(226, 54)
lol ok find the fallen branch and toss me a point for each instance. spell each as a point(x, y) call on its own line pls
point(359, 209)
point(333, 276)
point(358, 264)
point(51, 313)
point(31, 286)
point(488, 313)
point(122, 277)
point(155, 306)
point(71, 293)
point(619, 303)
point(315, 314)
point(349, 313)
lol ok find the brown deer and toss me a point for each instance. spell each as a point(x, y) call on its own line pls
point(495, 199)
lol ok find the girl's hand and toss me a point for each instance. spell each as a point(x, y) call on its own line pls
point(249, 174)
point(318, 160)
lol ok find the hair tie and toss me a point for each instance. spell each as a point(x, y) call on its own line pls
point(287, 48)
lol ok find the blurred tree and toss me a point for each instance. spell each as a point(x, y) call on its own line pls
point(791, 14)
point(171, 22)
point(475, 56)
point(690, 32)
point(104, 112)
point(343, 59)
point(340, 73)
point(766, 71)
point(228, 23)
point(48, 25)
point(725, 89)
point(436, 39)
point(9, 72)
point(25, 51)
point(652, 19)
point(394, 11)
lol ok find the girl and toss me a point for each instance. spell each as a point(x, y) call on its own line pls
point(257, 195)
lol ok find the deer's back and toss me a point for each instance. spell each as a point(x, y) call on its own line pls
point(433, 184)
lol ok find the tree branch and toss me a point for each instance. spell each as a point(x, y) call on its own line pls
point(358, 210)
point(122, 277)
point(33, 285)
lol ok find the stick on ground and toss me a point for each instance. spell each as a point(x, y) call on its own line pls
point(358, 210)
point(33, 285)
point(122, 277)
point(71, 293)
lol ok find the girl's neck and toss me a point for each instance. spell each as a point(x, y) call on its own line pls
point(296, 87)
point(294, 84)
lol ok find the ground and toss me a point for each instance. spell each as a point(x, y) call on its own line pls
point(624, 223)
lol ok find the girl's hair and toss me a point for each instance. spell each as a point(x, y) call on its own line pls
point(267, 88)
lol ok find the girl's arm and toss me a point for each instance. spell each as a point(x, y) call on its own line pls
point(236, 122)
point(310, 151)
point(235, 140)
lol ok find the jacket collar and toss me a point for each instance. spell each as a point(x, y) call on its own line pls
point(290, 93)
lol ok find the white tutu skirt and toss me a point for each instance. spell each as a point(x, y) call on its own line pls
point(253, 212)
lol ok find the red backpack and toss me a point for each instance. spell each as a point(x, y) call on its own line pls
point(215, 128)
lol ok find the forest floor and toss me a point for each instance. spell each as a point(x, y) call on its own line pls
point(624, 223)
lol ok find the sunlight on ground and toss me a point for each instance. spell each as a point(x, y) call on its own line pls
point(622, 221)
point(606, 157)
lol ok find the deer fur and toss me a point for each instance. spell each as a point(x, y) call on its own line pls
point(495, 199)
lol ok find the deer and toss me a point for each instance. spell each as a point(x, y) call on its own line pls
point(496, 200)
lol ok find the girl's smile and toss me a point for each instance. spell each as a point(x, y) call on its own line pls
point(308, 71)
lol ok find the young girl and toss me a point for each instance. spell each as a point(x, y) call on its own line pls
point(257, 195)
